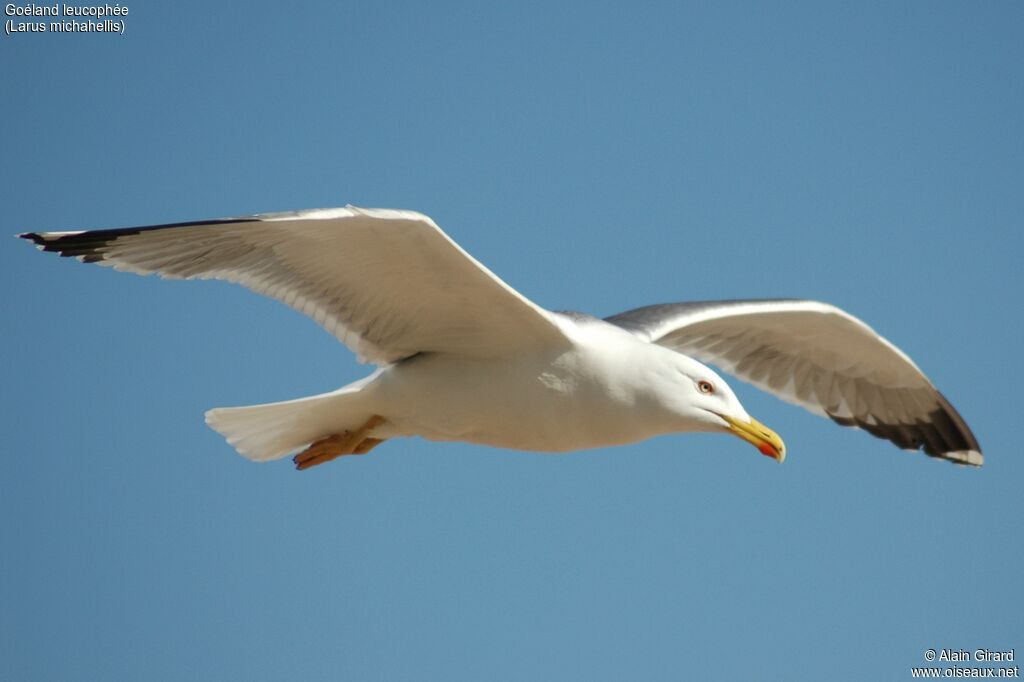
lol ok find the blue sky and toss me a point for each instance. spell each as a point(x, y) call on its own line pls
point(598, 158)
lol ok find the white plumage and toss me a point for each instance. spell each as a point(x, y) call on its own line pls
point(463, 356)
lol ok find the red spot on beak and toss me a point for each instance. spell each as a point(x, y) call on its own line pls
point(768, 451)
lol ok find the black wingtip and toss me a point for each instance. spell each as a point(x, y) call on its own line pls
point(86, 245)
point(82, 245)
point(35, 237)
point(943, 434)
point(43, 243)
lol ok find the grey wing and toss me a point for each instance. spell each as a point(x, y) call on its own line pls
point(817, 356)
point(387, 283)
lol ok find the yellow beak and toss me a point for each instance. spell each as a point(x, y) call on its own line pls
point(758, 435)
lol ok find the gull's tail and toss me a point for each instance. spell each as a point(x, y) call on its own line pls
point(274, 430)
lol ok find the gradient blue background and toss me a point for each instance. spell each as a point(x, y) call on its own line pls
point(597, 156)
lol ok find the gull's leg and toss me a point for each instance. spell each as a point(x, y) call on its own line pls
point(367, 445)
point(323, 450)
point(360, 441)
point(339, 444)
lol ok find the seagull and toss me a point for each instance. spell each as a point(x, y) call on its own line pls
point(461, 356)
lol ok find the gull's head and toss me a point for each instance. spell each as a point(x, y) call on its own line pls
point(702, 401)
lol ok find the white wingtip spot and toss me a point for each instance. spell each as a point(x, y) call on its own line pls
point(965, 457)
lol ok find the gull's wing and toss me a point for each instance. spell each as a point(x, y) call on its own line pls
point(388, 284)
point(815, 355)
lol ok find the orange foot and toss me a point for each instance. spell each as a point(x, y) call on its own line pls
point(336, 445)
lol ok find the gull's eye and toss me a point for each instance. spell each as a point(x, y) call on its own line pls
point(705, 386)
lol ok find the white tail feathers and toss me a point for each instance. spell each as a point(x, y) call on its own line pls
point(274, 430)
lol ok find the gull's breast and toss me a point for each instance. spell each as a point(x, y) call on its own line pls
point(547, 401)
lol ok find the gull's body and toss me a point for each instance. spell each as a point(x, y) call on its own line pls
point(462, 356)
point(552, 400)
